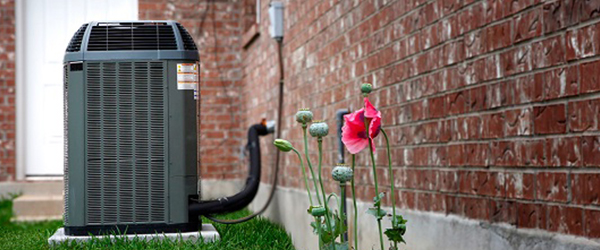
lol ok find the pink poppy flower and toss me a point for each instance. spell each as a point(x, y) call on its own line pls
point(354, 134)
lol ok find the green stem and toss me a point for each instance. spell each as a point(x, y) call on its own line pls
point(354, 204)
point(304, 175)
point(392, 183)
point(312, 173)
point(327, 214)
point(343, 197)
point(320, 231)
point(334, 195)
point(380, 234)
point(367, 123)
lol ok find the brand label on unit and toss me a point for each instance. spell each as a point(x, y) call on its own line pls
point(187, 76)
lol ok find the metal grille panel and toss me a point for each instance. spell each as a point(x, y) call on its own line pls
point(125, 146)
point(76, 40)
point(132, 36)
point(66, 139)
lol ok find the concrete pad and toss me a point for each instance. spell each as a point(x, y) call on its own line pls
point(208, 233)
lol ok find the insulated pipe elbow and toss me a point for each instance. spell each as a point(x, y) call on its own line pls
point(244, 197)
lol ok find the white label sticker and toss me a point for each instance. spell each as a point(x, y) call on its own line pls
point(187, 76)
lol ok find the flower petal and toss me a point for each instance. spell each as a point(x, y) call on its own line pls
point(370, 110)
point(355, 145)
point(375, 126)
point(353, 132)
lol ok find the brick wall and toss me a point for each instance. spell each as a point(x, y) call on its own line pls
point(7, 90)
point(216, 28)
point(492, 106)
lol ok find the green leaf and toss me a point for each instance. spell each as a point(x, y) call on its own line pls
point(315, 227)
point(338, 223)
point(398, 220)
point(377, 199)
point(395, 235)
point(377, 212)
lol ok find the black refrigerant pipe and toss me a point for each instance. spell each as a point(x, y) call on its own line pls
point(339, 117)
point(244, 197)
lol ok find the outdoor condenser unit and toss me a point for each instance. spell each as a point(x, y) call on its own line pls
point(130, 128)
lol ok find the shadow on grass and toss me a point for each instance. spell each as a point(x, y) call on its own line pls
point(258, 233)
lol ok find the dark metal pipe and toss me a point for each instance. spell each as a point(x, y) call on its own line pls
point(339, 117)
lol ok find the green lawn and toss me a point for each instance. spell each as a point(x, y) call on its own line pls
point(254, 234)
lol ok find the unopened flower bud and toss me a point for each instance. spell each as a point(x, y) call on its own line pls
point(318, 211)
point(304, 116)
point(318, 129)
point(342, 174)
point(283, 145)
point(366, 88)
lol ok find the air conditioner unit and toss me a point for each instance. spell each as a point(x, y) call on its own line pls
point(130, 128)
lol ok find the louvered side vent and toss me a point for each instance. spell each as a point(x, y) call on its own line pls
point(125, 147)
point(66, 138)
point(75, 43)
point(188, 42)
point(132, 36)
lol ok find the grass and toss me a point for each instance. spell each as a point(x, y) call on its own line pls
point(6, 208)
point(258, 233)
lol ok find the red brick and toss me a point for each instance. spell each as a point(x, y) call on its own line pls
point(457, 103)
point(584, 187)
point(589, 10)
point(423, 201)
point(498, 36)
point(551, 186)
point(503, 211)
point(581, 43)
point(549, 52)
point(528, 90)
point(560, 14)
point(451, 204)
point(456, 155)
point(583, 115)
point(436, 107)
point(590, 146)
point(567, 220)
point(564, 151)
point(445, 181)
point(560, 83)
point(478, 98)
point(531, 215)
point(493, 125)
point(592, 223)
point(520, 185)
point(530, 153)
point(472, 72)
point(549, 119)
point(406, 200)
point(474, 43)
point(467, 128)
point(437, 157)
point(590, 77)
point(477, 154)
point(518, 122)
point(528, 25)
point(494, 10)
point(503, 153)
point(474, 208)
point(482, 183)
